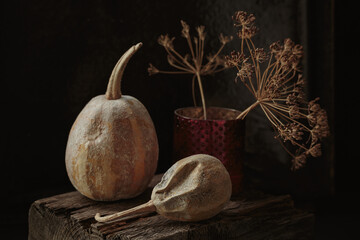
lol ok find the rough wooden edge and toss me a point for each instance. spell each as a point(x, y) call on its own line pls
point(70, 216)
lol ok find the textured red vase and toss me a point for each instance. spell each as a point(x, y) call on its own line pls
point(221, 135)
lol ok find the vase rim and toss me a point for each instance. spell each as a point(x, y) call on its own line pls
point(178, 113)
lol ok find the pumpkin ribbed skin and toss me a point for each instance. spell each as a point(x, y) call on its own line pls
point(112, 149)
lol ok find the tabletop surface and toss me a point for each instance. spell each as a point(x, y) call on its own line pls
point(251, 215)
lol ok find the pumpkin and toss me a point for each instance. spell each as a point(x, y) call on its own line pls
point(193, 189)
point(112, 148)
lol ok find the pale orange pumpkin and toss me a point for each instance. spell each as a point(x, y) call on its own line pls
point(112, 149)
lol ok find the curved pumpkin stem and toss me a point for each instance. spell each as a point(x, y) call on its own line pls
point(114, 86)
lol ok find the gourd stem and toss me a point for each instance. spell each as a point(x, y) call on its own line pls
point(148, 207)
point(114, 86)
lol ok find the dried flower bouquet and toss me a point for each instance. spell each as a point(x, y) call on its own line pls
point(192, 63)
point(272, 77)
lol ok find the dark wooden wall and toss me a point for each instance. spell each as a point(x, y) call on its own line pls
point(57, 55)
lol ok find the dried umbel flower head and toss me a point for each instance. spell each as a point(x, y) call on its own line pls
point(193, 63)
point(274, 79)
point(245, 23)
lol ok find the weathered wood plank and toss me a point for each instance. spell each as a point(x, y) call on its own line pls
point(251, 216)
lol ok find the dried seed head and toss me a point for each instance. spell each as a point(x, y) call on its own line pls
point(288, 44)
point(185, 32)
point(260, 55)
point(300, 81)
point(321, 127)
point(311, 119)
point(152, 70)
point(247, 32)
point(315, 150)
point(313, 106)
point(289, 54)
point(234, 59)
point(292, 99)
point(201, 32)
point(216, 60)
point(294, 112)
point(296, 131)
point(245, 23)
point(166, 41)
point(298, 50)
point(298, 161)
point(276, 48)
point(242, 18)
point(225, 39)
point(246, 70)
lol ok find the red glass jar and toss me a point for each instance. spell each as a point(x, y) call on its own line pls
point(221, 135)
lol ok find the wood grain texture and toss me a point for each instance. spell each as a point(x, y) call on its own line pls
point(251, 216)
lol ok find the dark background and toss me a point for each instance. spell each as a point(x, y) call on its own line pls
point(57, 55)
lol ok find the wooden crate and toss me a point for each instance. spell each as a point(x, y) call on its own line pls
point(252, 215)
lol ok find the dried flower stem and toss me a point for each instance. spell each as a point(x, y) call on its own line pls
point(202, 95)
point(193, 90)
point(194, 66)
point(243, 114)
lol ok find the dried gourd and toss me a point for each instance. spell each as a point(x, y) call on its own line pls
point(193, 189)
point(112, 149)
